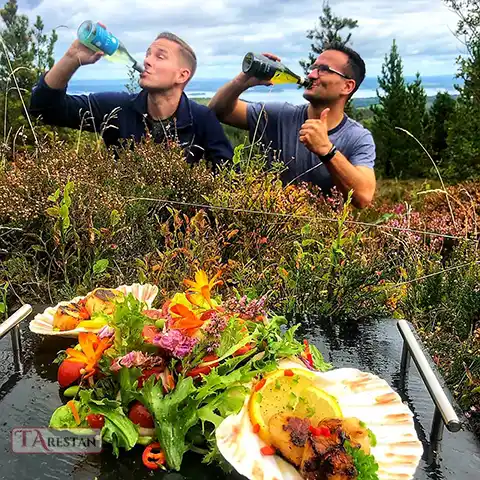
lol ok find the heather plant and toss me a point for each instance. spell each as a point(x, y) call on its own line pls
point(74, 218)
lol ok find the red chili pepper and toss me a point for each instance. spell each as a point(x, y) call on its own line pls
point(260, 384)
point(268, 450)
point(256, 428)
point(288, 373)
point(319, 431)
point(153, 457)
point(211, 358)
point(194, 372)
point(243, 350)
point(308, 352)
point(205, 370)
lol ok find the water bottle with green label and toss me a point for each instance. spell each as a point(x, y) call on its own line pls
point(97, 38)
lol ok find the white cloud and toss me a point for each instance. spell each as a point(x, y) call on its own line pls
point(222, 31)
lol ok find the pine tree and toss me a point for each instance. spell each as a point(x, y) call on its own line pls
point(404, 106)
point(462, 158)
point(25, 52)
point(440, 115)
point(327, 32)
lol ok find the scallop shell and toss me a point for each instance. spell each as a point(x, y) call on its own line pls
point(360, 395)
point(43, 322)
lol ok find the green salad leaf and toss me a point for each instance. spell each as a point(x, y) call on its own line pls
point(118, 430)
point(127, 378)
point(231, 336)
point(365, 465)
point(63, 417)
point(318, 361)
point(174, 414)
point(128, 322)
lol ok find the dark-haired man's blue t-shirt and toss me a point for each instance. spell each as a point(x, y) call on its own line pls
point(276, 126)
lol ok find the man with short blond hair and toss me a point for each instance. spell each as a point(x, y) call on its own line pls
point(162, 107)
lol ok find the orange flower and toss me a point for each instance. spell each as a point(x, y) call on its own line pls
point(202, 285)
point(184, 319)
point(92, 350)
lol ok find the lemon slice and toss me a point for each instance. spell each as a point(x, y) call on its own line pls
point(286, 393)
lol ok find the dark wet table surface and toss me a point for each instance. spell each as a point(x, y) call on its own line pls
point(28, 398)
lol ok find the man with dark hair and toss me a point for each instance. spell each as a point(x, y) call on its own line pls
point(161, 107)
point(317, 141)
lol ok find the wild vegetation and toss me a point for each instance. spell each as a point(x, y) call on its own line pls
point(72, 216)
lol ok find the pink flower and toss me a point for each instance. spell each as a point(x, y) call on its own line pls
point(136, 359)
point(175, 343)
point(399, 209)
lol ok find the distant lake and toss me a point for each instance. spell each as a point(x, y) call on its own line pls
point(206, 88)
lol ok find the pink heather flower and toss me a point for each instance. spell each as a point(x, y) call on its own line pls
point(175, 343)
point(214, 328)
point(136, 359)
point(106, 331)
point(399, 209)
point(215, 325)
point(247, 309)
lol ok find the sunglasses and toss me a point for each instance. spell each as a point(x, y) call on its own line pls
point(325, 68)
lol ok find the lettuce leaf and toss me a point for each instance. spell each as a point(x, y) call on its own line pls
point(63, 417)
point(174, 415)
point(128, 322)
point(230, 337)
point(365, 464)
point(127, 378)
point(118, 430)
point(318, 361)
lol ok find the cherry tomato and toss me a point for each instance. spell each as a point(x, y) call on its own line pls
point(141, 416)
point(95, 420)
point(69, 372)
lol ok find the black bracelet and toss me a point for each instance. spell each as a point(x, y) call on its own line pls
point(326, 158)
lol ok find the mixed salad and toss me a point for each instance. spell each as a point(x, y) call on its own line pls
point(166, 378)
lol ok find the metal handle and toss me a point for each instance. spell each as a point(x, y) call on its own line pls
point(439, 397)
point(15, 319)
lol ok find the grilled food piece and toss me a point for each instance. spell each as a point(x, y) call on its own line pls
point(102, 300)
point(357, 433)
point(319, 453)
point(325, 458)
point(67, 317)
point(289, 435)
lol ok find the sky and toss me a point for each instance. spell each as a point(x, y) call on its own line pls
point(222, 31)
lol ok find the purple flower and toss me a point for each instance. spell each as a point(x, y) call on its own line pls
point(175, 342)
point(106, 331)
point(215, 325)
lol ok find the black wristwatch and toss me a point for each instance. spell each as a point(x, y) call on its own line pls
point(326, 158)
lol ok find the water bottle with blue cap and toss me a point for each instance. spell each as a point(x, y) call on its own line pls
point(97, 38)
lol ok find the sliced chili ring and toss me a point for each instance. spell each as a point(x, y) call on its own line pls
point(153, 456)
